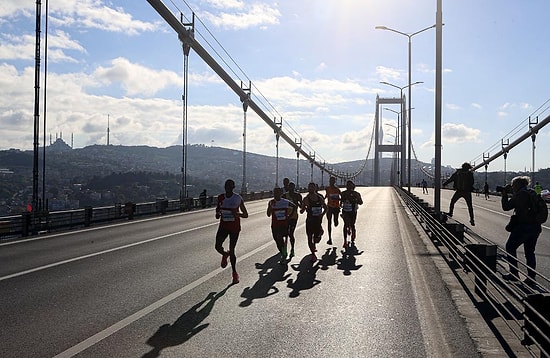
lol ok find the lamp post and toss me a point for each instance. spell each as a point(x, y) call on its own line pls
point(404, 126)
point(410, 84)
point(396, 138)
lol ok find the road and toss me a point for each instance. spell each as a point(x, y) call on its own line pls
point(490, 221)
point(154, 287)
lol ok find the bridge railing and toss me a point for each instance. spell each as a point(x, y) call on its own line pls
point(523, 307)
point(27, 223)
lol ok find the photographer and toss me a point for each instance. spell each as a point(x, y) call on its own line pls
point(523, 227)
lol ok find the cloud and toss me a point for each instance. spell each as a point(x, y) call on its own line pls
point(91, 14)
point(452, 107)
point(255, 15)
point(136, 79)
point(477, 105)
point(388, 74)
point(458, 133)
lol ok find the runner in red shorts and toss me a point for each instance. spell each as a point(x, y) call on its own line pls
point(229, 209)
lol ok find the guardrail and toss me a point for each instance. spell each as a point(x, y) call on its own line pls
point(523, 306)
point(27, 223)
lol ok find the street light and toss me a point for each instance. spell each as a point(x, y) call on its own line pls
point(410, 84)
point(403, 126)
point(395, 155)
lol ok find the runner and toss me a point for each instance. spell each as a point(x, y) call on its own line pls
point(279, 209)
point(296, 198)
point(229, 209)
point(333, 210)
point(350, 203)
point(314, 204)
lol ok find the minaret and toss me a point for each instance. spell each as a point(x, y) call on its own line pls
point(108, 130)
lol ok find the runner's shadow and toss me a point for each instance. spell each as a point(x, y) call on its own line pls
point(305, 279)
point(270, 272)
point(348, 261)
point(186, 326)
point(328, 259)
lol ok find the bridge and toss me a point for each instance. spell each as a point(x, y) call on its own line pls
point(144, 280)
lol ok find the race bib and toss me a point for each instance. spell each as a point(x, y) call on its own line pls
point(334, 196)
point(280, 215)
point(347, 207)
point(227, 215)
point(316, 211)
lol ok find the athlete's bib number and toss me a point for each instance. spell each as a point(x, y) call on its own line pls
point(316, 211)
point(227, 215)
point(347, 207)
point(280, 215)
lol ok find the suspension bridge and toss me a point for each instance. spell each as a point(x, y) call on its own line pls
point(149, 284)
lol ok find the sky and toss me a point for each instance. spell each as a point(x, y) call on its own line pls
point(314, 64)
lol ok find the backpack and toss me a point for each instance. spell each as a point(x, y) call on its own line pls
point(538, 209)
point(464, 180)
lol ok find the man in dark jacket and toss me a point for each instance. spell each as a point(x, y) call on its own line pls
point(523, 227)
point(463, 184)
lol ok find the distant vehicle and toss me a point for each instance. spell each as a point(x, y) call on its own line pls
point(545, 195)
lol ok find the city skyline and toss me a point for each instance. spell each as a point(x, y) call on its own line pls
point(318, 66)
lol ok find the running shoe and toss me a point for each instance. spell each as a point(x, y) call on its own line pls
point(472, 222)
point(329, 241)
point(291, 253)
point(235, 277)
point(345, 246)
point(224, 260)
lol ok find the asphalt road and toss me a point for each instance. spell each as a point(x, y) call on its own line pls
point(490, 221)
point(154, 287)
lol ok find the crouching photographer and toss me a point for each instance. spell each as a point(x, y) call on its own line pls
point(523, 227)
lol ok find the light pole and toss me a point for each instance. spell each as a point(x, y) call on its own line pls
point(410, 84)
point(396, 154)
point(403, 127)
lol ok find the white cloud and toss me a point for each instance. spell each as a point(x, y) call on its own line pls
point(255, 15)
point(453, 133)
point(137, 79)
point(452, 107)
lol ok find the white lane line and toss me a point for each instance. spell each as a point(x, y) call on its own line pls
point(21, 273)
point(96, 338)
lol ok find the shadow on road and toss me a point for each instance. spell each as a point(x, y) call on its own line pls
point(306, 277)
point(186, 326)
point(270, 272)
point(348, 261)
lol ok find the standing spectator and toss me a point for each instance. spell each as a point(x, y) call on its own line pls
point(523, 227)
point(229, 209)
point(333, 206)
point(202, 198)
point(463, 184)
point(486, 190)
point(424, 186)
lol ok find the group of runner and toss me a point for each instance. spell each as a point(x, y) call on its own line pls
point(283, 210)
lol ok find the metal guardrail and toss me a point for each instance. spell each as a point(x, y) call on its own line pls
point(523, 306)
point(27, 224)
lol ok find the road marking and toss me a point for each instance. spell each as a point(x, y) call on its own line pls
point(96, 338)
point(101, 252)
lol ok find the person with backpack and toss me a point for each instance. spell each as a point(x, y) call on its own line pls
point(463, 184)
point(524, 226)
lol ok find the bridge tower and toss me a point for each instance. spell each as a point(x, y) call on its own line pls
point(379, 147)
